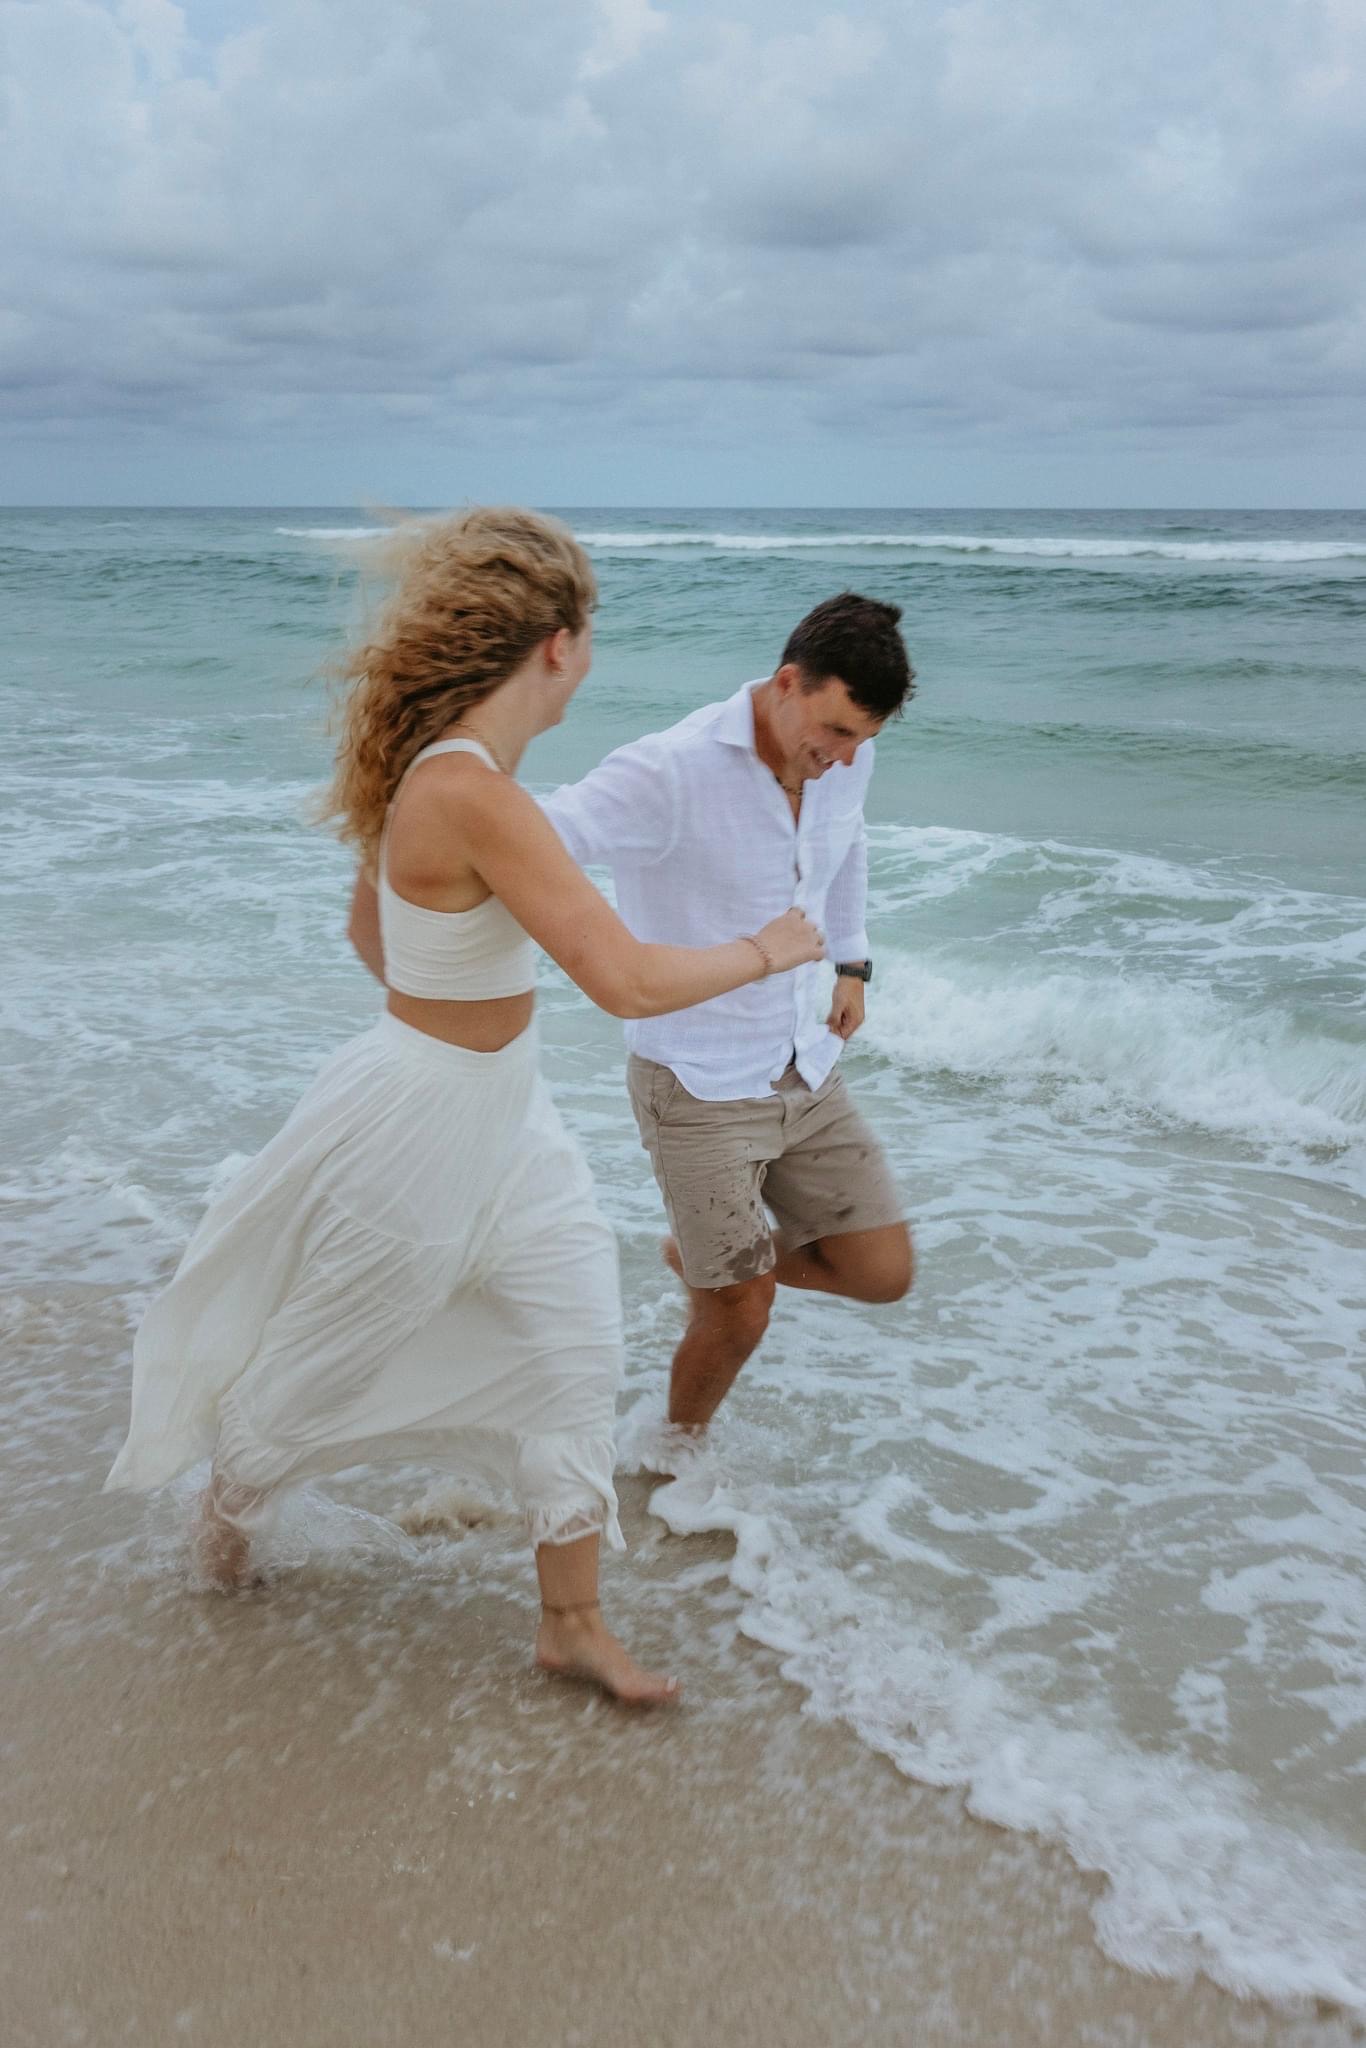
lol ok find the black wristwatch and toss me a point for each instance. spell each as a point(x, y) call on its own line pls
point(857, 970)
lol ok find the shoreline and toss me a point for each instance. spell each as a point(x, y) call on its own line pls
point(346, 1810)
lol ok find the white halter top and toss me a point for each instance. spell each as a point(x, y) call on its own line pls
point(451, 955)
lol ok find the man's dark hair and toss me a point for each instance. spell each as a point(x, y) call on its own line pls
point(856, 639)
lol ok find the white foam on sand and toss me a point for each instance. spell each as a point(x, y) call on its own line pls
point(1198, 1878)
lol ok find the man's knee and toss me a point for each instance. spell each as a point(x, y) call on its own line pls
point(893, 1271)
point(891, 1282)
point(882, 1268)
point(741, 1310)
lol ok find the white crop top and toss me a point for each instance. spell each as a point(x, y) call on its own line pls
point(451, 955)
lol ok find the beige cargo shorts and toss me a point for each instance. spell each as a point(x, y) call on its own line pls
point(805, 1155)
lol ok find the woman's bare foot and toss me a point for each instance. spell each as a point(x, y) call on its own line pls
point(222, 1547)
point(577, 1643)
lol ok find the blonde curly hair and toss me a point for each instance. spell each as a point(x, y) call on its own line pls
point(476, 594)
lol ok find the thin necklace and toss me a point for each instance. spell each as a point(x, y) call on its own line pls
point(786, 787)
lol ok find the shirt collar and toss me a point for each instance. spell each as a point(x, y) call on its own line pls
point(735, 726)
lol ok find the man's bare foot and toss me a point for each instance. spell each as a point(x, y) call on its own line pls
point(577, 1643)
point(674, 1448)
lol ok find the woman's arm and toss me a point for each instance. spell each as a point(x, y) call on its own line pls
point(503, 835)
point(363, 926)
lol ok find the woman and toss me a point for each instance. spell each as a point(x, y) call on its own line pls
point(414, 1267)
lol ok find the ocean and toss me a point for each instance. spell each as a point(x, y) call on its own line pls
point(1080, 1528)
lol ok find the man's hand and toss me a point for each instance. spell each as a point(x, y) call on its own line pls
point(846, 1011)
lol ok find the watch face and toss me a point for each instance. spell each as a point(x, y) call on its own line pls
point(860, 971)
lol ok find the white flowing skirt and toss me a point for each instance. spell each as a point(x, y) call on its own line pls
point(414, 1269)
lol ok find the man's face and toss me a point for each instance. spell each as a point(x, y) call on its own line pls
point(818, 727)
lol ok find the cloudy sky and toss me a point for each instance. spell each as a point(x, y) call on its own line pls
point(707, 252)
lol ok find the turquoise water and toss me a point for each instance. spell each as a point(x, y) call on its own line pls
point(1082, 1526)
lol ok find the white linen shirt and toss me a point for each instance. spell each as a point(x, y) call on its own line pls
point(703, 846)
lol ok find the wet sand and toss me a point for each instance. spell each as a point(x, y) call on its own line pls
point(346, 1811)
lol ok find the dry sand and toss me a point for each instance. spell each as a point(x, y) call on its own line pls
point(345, 1811)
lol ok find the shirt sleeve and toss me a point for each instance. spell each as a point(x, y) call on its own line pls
point(622, 814)
point(846, 904)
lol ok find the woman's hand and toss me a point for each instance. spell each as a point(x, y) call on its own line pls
point(485, 824)
point(791, 941)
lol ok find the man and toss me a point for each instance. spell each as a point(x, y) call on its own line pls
point(711, 828)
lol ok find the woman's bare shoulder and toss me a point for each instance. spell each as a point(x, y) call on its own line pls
point(452, 809)
point(440, 790)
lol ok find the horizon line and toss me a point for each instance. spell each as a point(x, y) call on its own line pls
point(388, 512)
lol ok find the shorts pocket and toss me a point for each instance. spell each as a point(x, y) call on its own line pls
point(664, 1088)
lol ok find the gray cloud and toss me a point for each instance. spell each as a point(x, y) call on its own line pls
point(632, 225)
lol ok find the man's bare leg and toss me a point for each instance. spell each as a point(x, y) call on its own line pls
point(725, 1325)
point(860, 1265)
point(573, 1640)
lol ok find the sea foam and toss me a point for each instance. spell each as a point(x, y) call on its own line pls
point(333, 532)
point(1199, 1879)
point(1036, 547)
point(1117, 1042)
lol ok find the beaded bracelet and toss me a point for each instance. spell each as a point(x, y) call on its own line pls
point(762, 950)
